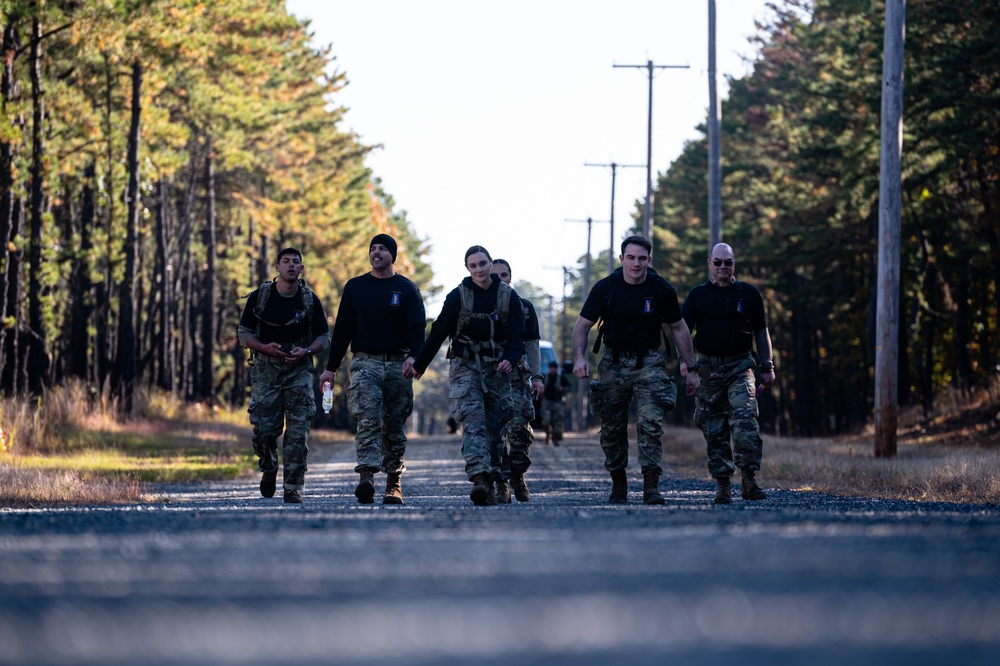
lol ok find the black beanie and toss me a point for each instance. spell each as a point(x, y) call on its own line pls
point(388, 241)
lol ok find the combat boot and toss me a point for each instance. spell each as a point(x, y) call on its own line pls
point(520, 488)
point(268, 482)
point(365, 490)
point(481, 490)
point(503, 492)
point(724, 495)
point(651, 485)
point(751, 491)
point(293, 497)
point(393, 491)
point(619, 487)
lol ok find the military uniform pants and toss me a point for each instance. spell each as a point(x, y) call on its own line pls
point(655, 394)
point(282, 400)
point(381, 399)
point(509, 448)
point(726, 407)
point(479, 411)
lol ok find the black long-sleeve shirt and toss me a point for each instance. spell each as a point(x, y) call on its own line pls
point(378, 316)
point(510, 337)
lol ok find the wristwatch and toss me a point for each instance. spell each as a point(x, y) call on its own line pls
point(767, 367)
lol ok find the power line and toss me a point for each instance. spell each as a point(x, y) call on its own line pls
point(647, 218)
point(614, 168)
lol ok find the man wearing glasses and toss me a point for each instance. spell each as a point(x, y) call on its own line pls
point(727, 318)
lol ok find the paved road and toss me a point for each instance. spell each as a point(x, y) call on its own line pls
point(215, 574)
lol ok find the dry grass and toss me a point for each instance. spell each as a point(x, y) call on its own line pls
point(953, 456)
point(25, 487)
point(72, 447)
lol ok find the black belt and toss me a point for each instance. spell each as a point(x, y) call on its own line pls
point(380, 357)
point(724, 359)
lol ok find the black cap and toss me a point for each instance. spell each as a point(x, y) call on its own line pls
point(388, 241)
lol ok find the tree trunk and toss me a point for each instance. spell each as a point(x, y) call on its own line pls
point(123, 380)
point(8, 90)
point(36, 339)
point(209, 305)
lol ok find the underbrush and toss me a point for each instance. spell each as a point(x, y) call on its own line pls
point(952, 455)
point(72, 447)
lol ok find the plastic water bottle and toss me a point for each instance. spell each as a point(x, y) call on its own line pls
point(327, 397)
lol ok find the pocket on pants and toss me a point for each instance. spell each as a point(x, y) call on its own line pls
point(600, 400)
point(666, 394)
point(465, 403)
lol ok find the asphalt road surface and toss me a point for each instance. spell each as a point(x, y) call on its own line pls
point(216, 574)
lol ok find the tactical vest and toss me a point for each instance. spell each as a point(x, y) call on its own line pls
point(482, 349)
point(263, 293)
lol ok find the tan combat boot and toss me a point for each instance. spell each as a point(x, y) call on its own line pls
point(651, 486)
point(393, 491)
point(503, 492)
point(365, 490)
point(482, 488)
point(520, 488)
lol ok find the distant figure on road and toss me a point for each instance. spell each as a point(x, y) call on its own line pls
point(728, 317)
point(510, 448)
point(283, 326)
point(382, 318)
point(633, 303)
point(484, 318)
point(553, 405)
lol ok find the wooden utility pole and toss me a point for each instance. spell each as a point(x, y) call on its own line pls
point(647, 216)
point(614, 169)
point(714, 140)
point(889, 213)
point(586, 267)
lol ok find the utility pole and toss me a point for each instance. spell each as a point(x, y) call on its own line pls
point(714, 140)
point(889, 213)
point(647, 216)
point(614, 168)
point(586, 267)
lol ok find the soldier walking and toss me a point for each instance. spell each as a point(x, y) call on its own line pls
point(485, 320)
point(283, 326)
point(728, 318)
point(633, 304)
point(381, 317)
point(553, 405)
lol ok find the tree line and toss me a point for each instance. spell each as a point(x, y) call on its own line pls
point(154, 156)
point(800, 151)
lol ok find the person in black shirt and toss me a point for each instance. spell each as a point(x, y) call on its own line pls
point(283, 326)
point(634, 303)
point(728, 317)
point(484, 318)
point(381, 317)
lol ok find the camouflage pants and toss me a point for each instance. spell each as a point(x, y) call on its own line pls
point(381, 399)
point(509, 448)
point(554, 414)
point(482, 413)
point(655, 394)
point(726, 405)
point(282, 399)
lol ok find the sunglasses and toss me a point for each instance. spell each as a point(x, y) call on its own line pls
point(719, 262)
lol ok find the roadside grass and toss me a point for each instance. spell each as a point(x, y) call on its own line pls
point(952, 457)
point(72, 449)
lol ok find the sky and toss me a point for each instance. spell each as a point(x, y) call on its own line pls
point(485, 114)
